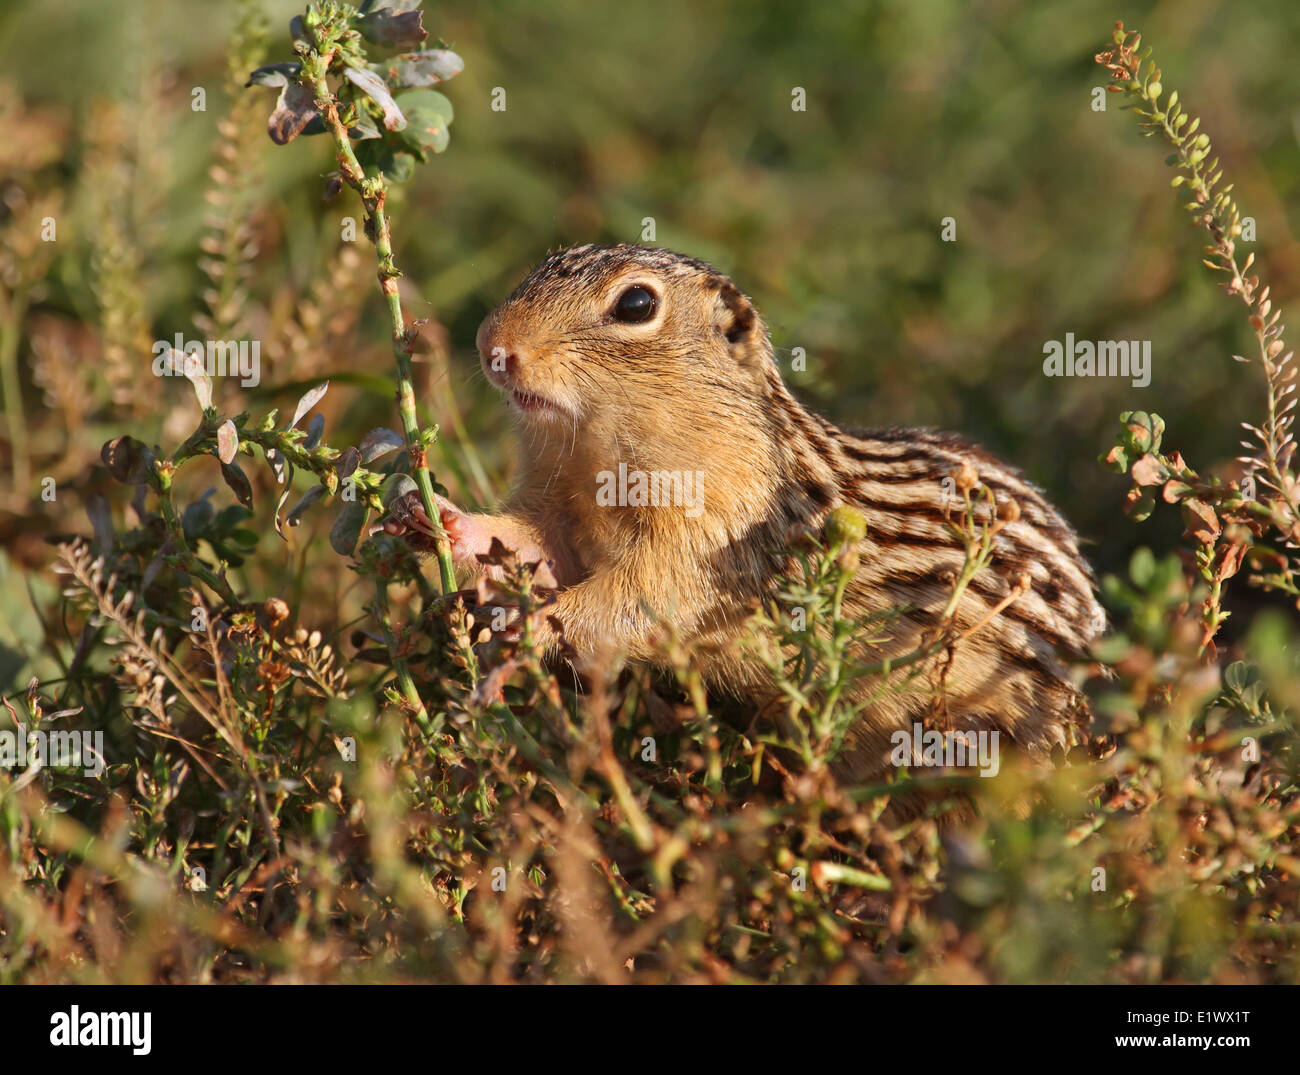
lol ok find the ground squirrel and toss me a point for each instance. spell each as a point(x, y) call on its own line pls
point(624, 361)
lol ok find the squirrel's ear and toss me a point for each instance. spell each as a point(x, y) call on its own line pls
point(736, 320)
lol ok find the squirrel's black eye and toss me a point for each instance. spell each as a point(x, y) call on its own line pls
point(635, 304)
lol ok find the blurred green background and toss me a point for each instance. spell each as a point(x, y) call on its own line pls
point(830, 218)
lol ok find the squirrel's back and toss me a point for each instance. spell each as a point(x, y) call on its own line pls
point(625, 359)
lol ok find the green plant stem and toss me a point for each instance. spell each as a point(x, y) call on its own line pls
point(1190, 161)
point(837, 873)
point(1217, 214)
point(9, 380)
point(835, 660)
point(400, 667)
point(195, 566)
point(373, 195)
point(978, 554)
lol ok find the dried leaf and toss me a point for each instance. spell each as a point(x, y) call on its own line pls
point(427, 68)
point(395, 23)
point(488, 689)
point(238, 482)
point(156, 565)
point(380, 442)
point(1230, 560)
point(279, 524)
point(278, 465)
point(198, 515)
point(101, 520)
point(308, 499)
point(308, 401)
point(348, 461)
point(347, 528)
point(274, 74)
point(128, 460)
point(1202, 523)
point(1148, 471)
point(295, 108)
point(314, 430)
point(191, 364)
point(374, 87)
point(227, 441)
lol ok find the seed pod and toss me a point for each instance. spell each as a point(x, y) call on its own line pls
point(966, 477)
point(277, 611)
point(845, 526)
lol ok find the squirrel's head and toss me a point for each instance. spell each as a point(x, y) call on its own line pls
point(625, 335)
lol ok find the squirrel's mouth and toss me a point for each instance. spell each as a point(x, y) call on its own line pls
point(532, 403)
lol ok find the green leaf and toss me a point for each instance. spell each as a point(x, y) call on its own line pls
point(1111, 650)
point(426, 131)
point(1144, 506)
point(383, 158)
point(1116, 459)
point(427, 100)
point(363, 129)
point(1236, 675)
point(1142, 568)
point(229, 518)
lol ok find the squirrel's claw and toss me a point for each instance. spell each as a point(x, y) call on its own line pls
point(407, 518)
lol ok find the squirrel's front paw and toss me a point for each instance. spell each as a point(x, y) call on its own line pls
point(407, 518)
point(471, 536)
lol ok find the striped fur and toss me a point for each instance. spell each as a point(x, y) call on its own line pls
point(697, 389)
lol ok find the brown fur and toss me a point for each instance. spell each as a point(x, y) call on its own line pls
point(696, 389)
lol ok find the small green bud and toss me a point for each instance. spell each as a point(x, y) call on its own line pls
point(1142, 432)
point(845, 526)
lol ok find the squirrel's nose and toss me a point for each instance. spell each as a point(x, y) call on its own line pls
point(500, 359)
point(500, 366)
